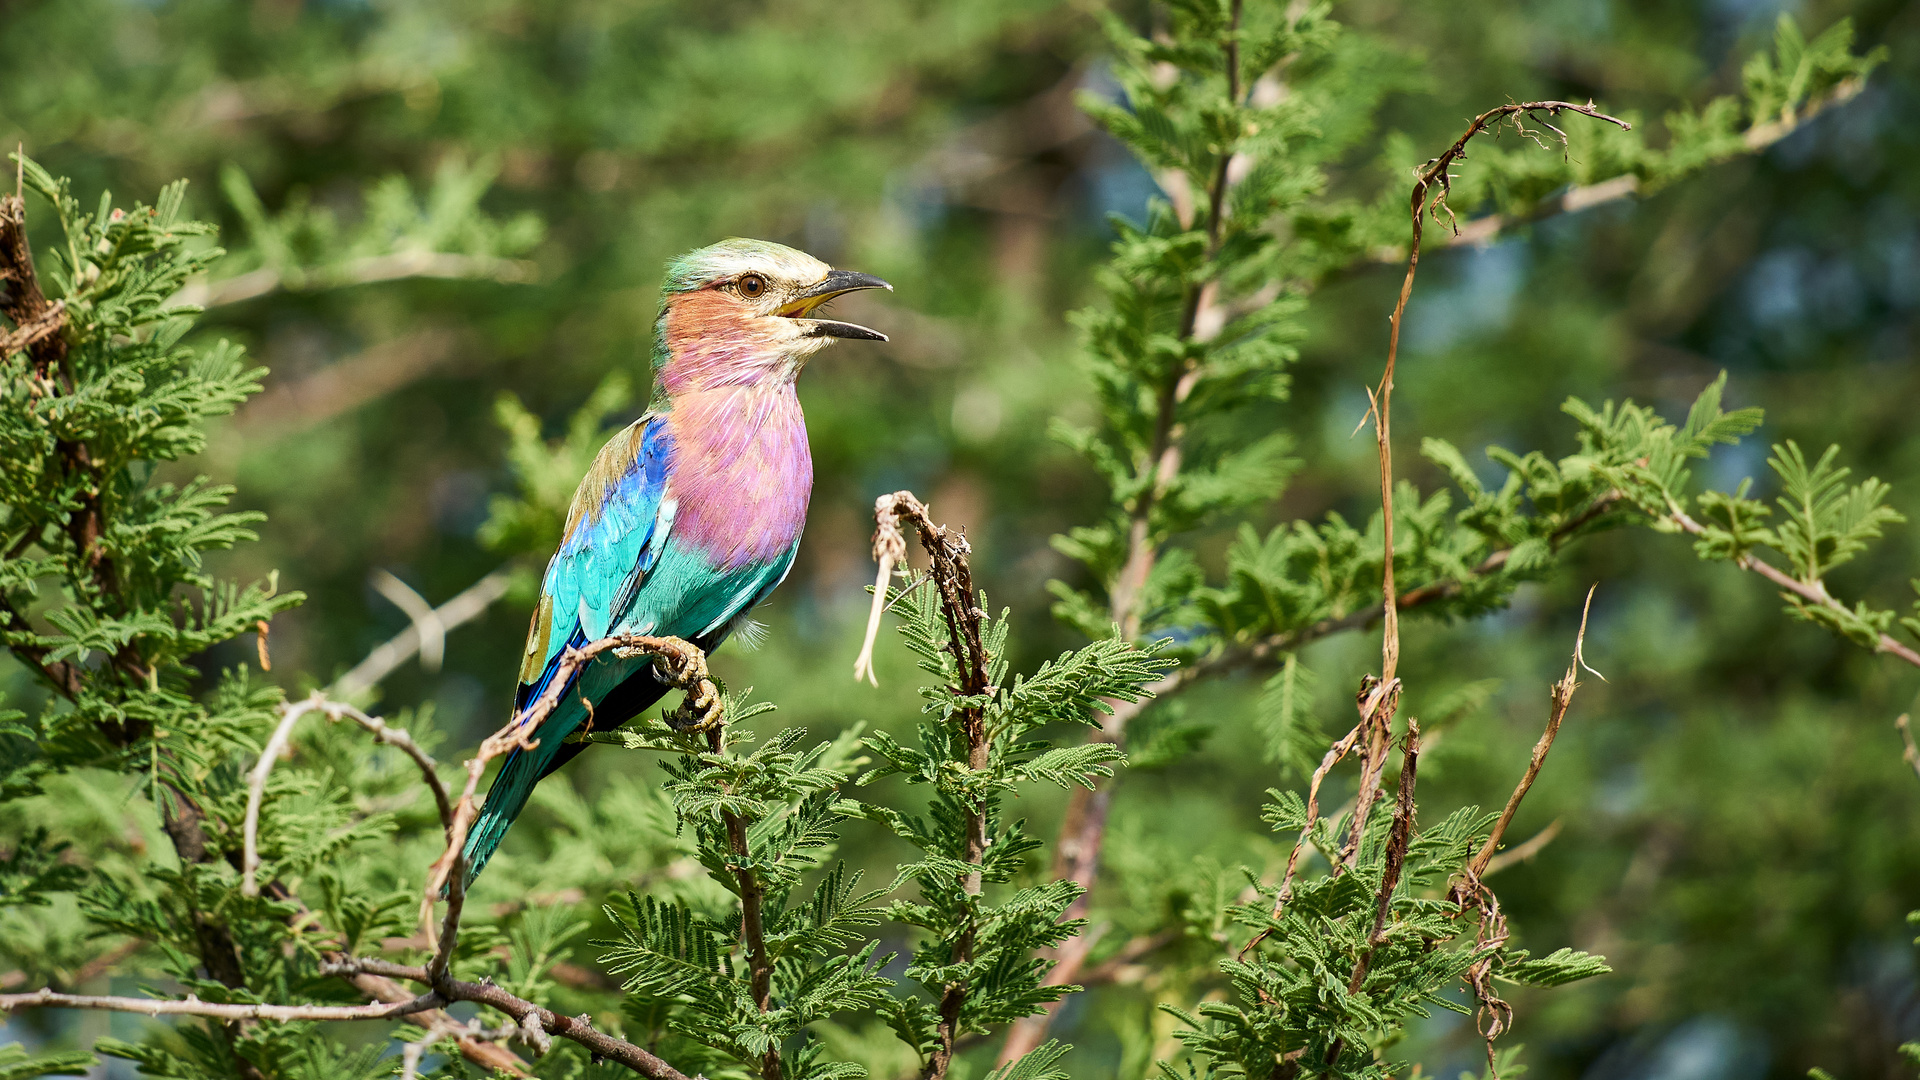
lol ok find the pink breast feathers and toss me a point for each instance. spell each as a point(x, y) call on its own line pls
point(742, 472)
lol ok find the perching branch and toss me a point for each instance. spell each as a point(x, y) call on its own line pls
point(680, 663)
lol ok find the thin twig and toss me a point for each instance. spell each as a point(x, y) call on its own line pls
point(383, 660)
point(1813, 592)
point(578, 1029)
point(446, 1027)
point(1484, 230)
point(1493, 1016)
point(283, 734)
point(369, 270)
point(193, 1006)
point(1525, 850)
point(426, 621)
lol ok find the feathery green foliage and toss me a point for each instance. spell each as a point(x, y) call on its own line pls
point(125, 787)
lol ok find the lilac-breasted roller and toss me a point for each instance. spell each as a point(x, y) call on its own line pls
point(692, 514)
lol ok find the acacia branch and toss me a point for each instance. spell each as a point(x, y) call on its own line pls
point(193, 1006)
point(947, 552)
point(1164, 453)
point(1812, 592)
point(1484, 230)
point(1083, 827)
point(680, 663)
point(38, 325)
point(531, 1016)
point(290, 715)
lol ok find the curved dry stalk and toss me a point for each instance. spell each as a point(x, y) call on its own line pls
point(276, 745)
point(1562, 695)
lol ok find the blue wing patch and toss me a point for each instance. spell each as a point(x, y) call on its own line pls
point(616, 528)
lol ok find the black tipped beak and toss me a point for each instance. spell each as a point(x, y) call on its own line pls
point(834, 284)
point(830, 328)
point(842, 281)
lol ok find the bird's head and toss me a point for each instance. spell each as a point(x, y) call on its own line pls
point(740, 312)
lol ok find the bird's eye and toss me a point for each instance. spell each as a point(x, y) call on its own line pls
point(751, 286)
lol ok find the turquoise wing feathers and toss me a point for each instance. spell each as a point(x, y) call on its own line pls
point(619, 521)
point(618, 570)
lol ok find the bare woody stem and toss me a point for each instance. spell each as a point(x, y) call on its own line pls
point(960, 607)
point(193, 1006)
point(1562, 697)
point(681, 664)
point(578, 1029)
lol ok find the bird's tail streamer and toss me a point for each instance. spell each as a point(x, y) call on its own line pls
point(505, 799)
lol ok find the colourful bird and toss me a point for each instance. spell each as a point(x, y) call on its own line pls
point(692, 514)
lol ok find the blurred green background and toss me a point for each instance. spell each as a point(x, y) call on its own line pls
point(1737, 826)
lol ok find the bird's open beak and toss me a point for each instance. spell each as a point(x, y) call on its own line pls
point(835, 283)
